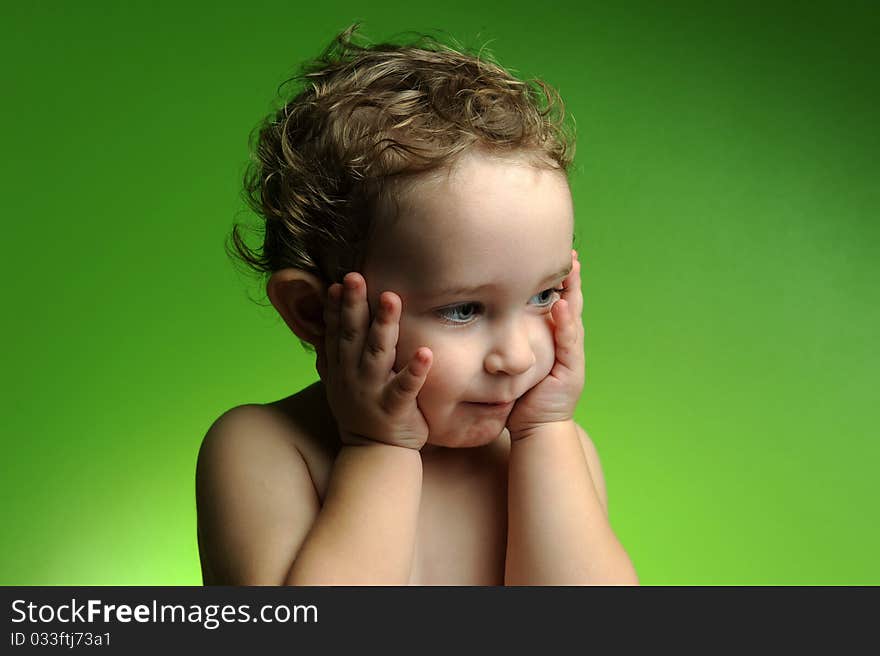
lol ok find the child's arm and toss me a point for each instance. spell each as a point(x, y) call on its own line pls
point(366, 531)
point(558, 531)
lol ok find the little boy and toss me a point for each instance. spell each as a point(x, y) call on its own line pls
point(418, 237)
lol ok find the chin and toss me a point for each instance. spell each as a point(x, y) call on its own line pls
point(477, 434)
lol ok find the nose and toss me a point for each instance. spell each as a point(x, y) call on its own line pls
point(511, 351)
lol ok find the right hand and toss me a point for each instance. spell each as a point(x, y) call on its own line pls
point(370, 401)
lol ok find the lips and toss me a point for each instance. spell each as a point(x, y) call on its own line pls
point(492, 405)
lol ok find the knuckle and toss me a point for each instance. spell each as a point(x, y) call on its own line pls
point(385, 319)
point(348, 334)
point(375, 349)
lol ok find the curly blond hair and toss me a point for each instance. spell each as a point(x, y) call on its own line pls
point(366, 123)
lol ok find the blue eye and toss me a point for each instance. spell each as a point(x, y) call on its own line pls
point(463, 313)
point(548, 296)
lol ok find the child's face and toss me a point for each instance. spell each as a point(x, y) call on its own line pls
point(502, 225)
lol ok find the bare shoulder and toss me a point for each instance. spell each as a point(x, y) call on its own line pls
point(254, 495)
point(592, 457)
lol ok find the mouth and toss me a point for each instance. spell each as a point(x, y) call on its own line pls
point(501, 406)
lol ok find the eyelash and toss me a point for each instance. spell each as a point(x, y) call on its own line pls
point(443, 312)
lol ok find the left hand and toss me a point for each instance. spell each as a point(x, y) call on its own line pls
point(554, 398)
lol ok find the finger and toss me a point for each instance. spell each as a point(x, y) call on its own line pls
point(321, 364)
point(381, 344)
point(573, 292)
point(405, 386)
point(354, 318)
point(566, 336)
point(331, 323)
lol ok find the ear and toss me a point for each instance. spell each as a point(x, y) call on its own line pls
point(299, 298)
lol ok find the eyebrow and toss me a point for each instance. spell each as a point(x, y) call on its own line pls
point(464, 290)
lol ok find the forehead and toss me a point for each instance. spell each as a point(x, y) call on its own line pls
point(487, 219)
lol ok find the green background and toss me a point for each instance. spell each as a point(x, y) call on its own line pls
point(726, 193)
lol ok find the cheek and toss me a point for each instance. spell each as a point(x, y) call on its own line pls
point(450, 369)
point(545, 351)
point(450, 374)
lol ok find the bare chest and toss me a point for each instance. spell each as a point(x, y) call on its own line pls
point(462, 530)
